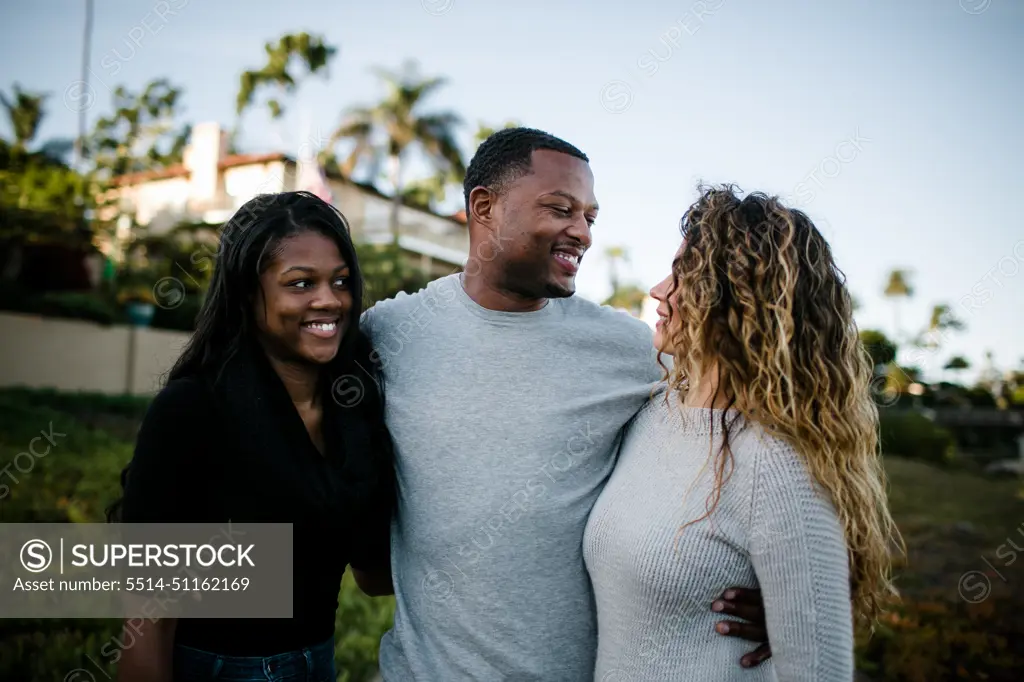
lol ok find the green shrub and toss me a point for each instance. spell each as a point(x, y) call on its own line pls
point(912, 435)
point(938, 639)
point(75, 402)
point(43, 650)
point(386, 272)
point(78, 305)
point(360, 623)
point(74, 481)
point(180, 318)
point(12, 296)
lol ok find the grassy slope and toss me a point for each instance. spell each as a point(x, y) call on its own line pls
point(922, 496)
point(951, 625)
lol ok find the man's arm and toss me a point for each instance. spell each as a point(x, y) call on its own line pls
point(150, 657)
point(371, 553)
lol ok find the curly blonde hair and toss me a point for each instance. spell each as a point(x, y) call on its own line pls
point(758, 300)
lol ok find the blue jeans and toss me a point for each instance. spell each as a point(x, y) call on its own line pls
point(312, 664)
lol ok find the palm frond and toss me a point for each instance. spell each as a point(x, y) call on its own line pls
point(393, 126)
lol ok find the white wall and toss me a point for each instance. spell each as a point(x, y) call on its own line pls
point(242, 183)
point(74, 355)
point(158, 203)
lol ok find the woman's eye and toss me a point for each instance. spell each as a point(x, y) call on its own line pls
point(300, 283)
point(341, 282)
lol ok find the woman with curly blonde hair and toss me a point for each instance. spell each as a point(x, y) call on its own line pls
point(755, 463)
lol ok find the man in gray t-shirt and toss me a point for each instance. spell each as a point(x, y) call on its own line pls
point(505, 397)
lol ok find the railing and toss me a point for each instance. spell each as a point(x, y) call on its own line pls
point(448, 242)
point(457, 242)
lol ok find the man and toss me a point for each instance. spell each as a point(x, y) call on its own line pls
point(505, 398)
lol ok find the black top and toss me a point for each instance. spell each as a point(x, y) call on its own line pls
point(235, 448)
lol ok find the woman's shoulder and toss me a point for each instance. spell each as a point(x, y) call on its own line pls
point(656, 413)
point(757, 439)
point(763, 449)
point(777, 467)
point(188, 397)
point(187, 390)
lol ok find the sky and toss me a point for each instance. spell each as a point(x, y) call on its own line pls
point(895, 126)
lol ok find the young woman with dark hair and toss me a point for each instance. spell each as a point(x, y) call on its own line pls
point(756, 463)
point(247, 429)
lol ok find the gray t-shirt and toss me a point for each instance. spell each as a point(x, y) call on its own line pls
point(506, 427)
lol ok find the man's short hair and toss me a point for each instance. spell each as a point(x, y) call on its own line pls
point(504, 157)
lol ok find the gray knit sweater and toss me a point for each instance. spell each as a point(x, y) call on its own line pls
point(772, 528)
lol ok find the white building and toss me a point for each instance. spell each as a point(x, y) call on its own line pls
point(210, 185)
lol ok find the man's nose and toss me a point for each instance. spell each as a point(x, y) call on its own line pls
point(580, 231)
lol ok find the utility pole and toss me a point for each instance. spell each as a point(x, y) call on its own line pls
point(86, 49)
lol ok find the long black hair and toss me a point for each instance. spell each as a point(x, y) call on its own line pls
point(247, 245)
point(227, 321)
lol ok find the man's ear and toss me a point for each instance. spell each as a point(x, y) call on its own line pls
point(481, 206)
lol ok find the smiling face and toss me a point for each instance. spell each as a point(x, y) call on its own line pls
point(304, 308)
point(661, 293)
point(541, 226)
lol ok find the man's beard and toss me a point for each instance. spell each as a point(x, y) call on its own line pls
point(533, 280)
point(558, 291)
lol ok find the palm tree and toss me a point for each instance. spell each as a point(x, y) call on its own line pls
point(629, 297)
point(989, 377)
point(427, 192)
point(942, 318)
point(392, 128)
point(24, 114)
point(879, 347)
point(615, 255)
point(433, 189)
point(898, 286)
point(957, 364)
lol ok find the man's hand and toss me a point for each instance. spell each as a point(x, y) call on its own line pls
point(747, 604)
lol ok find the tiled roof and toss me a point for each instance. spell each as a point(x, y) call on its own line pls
point(179, 170)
